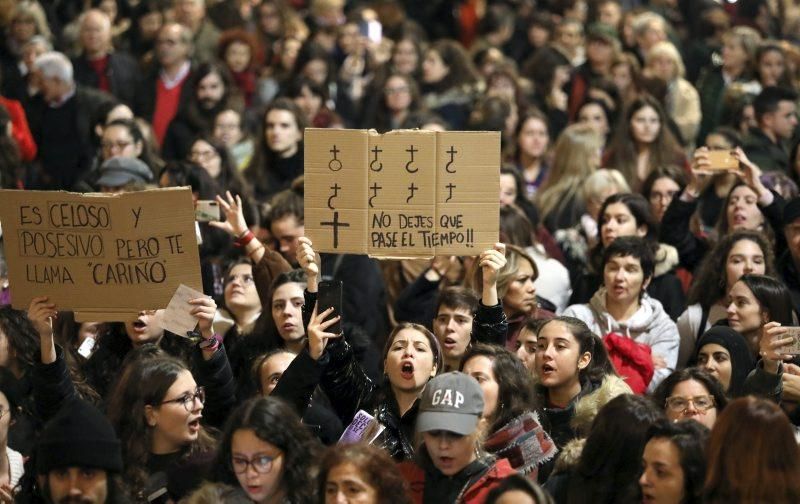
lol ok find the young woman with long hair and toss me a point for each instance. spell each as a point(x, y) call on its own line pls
point(576, 156)
point(674, 463)
point(609, 463)
point(278, 157)
point(624, 215)
point(571, 364)
point(752, 455)
point(514, 430)
point(642, 142)
point(738, 253)
point(267, 452)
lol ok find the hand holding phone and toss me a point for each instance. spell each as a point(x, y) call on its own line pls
point(330, 296)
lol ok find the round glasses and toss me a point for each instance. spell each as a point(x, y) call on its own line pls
point(261, 463)
point(188, 399)
point(680, 404)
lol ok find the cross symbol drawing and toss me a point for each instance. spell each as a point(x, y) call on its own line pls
point(335, 224)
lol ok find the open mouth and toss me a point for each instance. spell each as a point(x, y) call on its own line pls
point(449, 342)
point(138, 324)
point(194, 425)
point(407, 370)
point(547, 369)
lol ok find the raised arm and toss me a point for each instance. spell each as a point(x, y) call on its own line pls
point(52, 385)
point(490, 324)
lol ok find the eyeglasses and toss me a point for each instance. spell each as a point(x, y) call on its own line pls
point(202, 155)
point(657, 196)
point(261, 463)
point(107, 146)
point(680, 404)
point(397, 90)
point(188, 399)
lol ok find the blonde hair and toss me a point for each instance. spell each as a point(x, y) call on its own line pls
point(514, 255)
point(595, 183)
point(667, 50)
point(576, 156)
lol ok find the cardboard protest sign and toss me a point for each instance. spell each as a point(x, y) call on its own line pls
point(406, 193)
point(106, 257)
point(336, 189)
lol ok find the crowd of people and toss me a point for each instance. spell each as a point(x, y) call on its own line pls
point(631, 336)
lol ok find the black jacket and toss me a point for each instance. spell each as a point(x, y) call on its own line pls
point(675, 231)
point(768, 155)
point(122, 73)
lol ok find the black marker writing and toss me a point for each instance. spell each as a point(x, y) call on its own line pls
point(412, 188)
point(335, 224)
point(452, 153)
point(334, 164)
point(450, 188)
point(376, 150)
point(136, 215)
point(335, 188)
point(374, 187)
point(411, 150)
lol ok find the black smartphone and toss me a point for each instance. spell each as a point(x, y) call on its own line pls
point(330, 295)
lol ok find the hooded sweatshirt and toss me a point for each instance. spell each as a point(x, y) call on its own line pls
point(650, 325)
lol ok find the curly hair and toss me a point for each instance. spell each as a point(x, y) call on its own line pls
point(515, 383)
point(710, 282)
point(22, 337)
point(374, 466)
point(276, 423)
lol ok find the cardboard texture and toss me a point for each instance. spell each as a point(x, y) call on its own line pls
point(403, 194)
point(105, 257)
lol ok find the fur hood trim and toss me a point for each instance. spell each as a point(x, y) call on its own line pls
point(587, 406)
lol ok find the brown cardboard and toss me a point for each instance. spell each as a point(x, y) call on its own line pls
point(443, 202)
point(105, 257)
point(336, 189)
point(405, 204)
point(468, 188)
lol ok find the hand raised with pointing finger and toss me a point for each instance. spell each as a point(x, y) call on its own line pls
point(309, 261)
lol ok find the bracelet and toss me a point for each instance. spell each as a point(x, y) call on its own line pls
point(242, 241)
point(211, 344)
point(250, 254)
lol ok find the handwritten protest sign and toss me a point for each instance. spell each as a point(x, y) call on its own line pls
point(106, 257)
point(405, 193)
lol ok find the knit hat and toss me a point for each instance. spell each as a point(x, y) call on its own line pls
point(791, 211)
point(742, 361)
point(451, 402)
point(120, 171)
point(78, 436)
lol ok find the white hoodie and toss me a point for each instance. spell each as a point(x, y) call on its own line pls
point(650, 325)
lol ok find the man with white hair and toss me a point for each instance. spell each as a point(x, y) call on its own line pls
point(649, 29)
point(99, 66)
point(60, 119)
